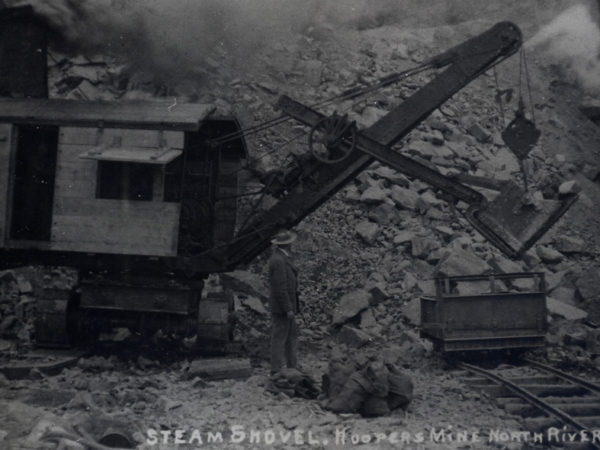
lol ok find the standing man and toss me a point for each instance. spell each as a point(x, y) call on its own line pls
point(283, 280)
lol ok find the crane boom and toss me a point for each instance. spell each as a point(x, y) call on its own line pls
point(308, 185)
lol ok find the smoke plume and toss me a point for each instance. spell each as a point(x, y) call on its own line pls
point(172, 37)
point(573, 40)
point(179, 39)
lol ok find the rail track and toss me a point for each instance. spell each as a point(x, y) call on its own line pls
point(557, 408)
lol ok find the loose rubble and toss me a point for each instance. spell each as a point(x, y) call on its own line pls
point(365, 258)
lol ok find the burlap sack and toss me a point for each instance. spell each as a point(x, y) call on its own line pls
point(400, 388)
point(377, 375)
point(374, 406)
point(337, 376)
point(351, 397)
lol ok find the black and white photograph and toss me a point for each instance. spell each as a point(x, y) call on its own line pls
point(299, 224)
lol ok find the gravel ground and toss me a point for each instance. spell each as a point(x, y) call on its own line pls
point(151, 404)
point(152, 400)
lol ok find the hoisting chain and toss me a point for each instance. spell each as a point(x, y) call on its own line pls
point(499, 94)
point(521, 134)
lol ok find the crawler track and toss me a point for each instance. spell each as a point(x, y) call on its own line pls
point(544, 396)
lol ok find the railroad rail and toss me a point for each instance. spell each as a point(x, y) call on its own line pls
point(547, 398)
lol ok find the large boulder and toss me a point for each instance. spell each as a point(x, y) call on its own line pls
point(404, 236)
point(353, 337)
point(368, 231)
point(436, 137)
point(461, 262)
point(405, 198)
point(352, 194)
point(564, 294)
point(460, 149)
point(373, 195)
point(254, 304)
point(429, 150)
point(246, 282)
point(548, 254)
point(428, 200)
point(569, 187)
point(350, 305)
point(568, 244)
point(588, 284)
point(554, 279)
point(368, 321)
point(565, 310)
point(412, 311)
point(370, 115)
point(391, 175)
point(504, 265)
point(378, 291)
point(421, 246)
point(410, 281)
point(385, 214)
point(479, 133)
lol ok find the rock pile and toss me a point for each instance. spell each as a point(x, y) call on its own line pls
point(386, 233)
point(19, 289)
point(373, 388)
point(16, 306)
point(365, 257)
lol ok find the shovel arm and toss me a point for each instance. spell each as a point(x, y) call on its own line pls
point(308, 186)
point(463, 63)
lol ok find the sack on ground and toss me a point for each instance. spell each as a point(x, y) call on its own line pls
point(371, 388)
point(374, 406)
point(350, 399)
point(337, 376)
point(294, 383)
point(377, 375)
point(400, 388)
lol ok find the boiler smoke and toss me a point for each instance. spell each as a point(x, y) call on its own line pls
point(172, 39)
point(573, 40)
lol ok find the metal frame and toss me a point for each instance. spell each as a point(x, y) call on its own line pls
point(437, 320)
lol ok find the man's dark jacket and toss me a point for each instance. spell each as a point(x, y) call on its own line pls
point(283, 278)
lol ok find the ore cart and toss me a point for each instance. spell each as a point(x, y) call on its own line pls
point(486, 312)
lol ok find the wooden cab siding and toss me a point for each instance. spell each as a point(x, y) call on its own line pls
point(119, 180)
point(81, 222)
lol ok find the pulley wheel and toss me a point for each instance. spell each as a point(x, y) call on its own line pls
point(332, 139)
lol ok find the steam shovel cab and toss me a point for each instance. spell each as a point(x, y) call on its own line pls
point(125, 193)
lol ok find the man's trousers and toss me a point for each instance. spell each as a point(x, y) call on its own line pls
point(284, 342)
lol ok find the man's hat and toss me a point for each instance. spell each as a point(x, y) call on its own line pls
point(284, 237)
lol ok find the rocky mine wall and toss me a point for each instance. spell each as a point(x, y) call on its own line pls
point(371, 251)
